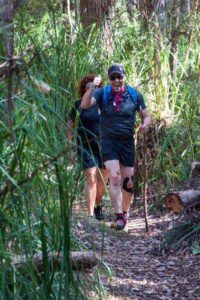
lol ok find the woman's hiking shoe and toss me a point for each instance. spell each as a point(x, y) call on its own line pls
point(98, 213)
point(120, 222)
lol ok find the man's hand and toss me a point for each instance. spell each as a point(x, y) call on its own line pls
point(88, 100)
point(97, 81)
point(144, 128)
point(146, 121)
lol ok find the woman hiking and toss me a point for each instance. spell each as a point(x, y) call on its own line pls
point(88, 150)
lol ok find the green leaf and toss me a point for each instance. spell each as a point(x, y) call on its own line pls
point(196, 248)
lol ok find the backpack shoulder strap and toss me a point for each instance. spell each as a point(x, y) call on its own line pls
point(133, 93)
point(106, 92)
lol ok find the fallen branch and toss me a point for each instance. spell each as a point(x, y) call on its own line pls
point(79, 261)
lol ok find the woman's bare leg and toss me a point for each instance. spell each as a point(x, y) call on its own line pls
point(91, 189)
point(102, 179)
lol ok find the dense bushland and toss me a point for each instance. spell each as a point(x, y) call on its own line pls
point(38, 184)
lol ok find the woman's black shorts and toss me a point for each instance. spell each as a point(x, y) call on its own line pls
point(90, 156)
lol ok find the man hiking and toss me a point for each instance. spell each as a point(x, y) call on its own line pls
point(118, 104)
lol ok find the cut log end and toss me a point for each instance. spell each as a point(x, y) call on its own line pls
point(195, 167)
point(174, 202)
point(177, 201)
point(83, 260)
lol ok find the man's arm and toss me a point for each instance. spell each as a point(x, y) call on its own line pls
point(146, 120)
point(87, 99)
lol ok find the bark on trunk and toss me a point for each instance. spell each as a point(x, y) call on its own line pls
point(99, 13)
point(94, 11)
point(177, 201)
point(79, 261)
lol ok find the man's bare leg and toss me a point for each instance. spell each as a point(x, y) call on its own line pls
point(115, 191)
point(127, 196)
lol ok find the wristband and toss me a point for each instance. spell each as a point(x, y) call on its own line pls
point(91, 85)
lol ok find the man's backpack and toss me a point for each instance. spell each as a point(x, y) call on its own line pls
point(132, 92)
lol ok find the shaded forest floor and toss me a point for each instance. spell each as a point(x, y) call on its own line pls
point(137, 270)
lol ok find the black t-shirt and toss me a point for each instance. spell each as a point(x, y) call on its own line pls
point(118, 124)
point(88, 122)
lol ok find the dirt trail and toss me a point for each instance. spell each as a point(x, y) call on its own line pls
point(137, 271)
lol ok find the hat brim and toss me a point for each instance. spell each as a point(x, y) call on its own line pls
point(116, 72)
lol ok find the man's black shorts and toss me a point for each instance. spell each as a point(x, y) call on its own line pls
point(90, 156)
point(122, 150)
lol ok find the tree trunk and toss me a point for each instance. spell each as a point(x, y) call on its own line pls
point(177, 201)
point(185, 6)
point(79, 261)
point(7, 36)
point(64, 6)
point(77, 11)
point(99, 13)
point(90, 12)
point(94, 11)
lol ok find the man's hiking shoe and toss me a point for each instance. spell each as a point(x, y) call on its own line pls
point(126, 216)
point(120, 222)
point(98, 213)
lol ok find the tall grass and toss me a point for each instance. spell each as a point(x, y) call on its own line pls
point(38, 183)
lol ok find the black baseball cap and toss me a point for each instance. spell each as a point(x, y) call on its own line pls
point(116, 69)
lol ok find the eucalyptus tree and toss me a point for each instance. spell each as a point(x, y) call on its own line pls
point(99, 13)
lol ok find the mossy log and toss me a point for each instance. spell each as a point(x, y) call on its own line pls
point(178, 201)
point(79, 260)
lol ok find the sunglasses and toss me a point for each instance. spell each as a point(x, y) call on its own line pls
point(113, 77)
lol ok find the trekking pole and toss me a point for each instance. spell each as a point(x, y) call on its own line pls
point(145, 184)
point(145, 180)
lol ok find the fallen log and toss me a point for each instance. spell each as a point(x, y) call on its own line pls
point(79, 260)
point(177, 201)
point(195, 167)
